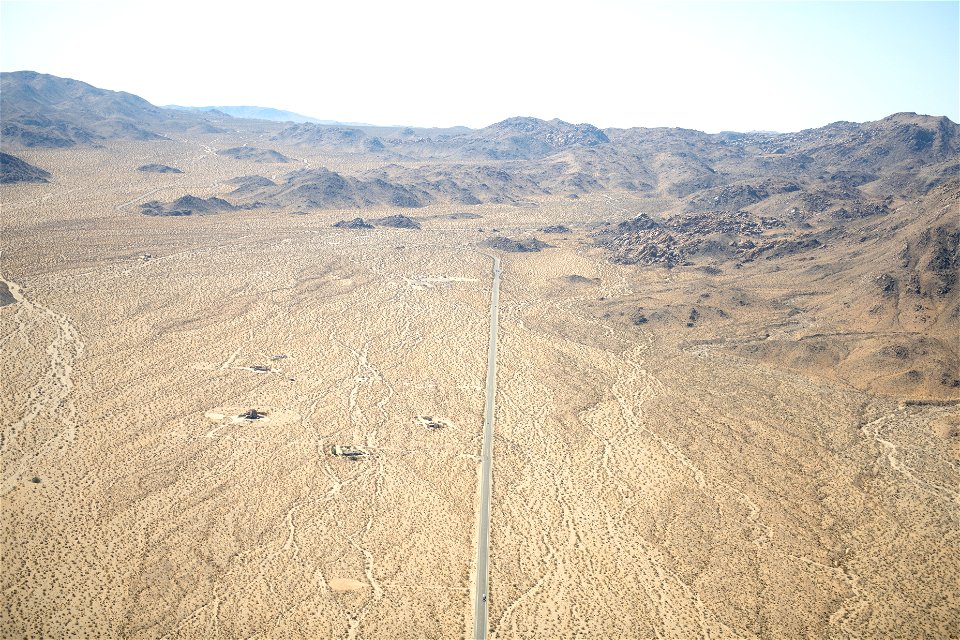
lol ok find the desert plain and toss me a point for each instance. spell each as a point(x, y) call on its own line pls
point(667, 462)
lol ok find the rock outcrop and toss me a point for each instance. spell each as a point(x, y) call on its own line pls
point(14, 169)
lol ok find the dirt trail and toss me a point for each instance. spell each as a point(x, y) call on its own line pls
point(891, 451)
point(121, 207)
point(50, 395)
point(377, 595)
point(367, 375)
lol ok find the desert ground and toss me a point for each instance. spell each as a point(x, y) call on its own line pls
point(649, 479)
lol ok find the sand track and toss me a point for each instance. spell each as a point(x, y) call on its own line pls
point(891, 452)
point(49, 397)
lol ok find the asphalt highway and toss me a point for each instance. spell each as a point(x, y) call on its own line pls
point(480, 602)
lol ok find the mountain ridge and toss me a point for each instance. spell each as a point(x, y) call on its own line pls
point(262, 113)
point(42, 96)
point(869, 208)
point(41, 110)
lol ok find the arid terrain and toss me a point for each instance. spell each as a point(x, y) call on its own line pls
point(727, 377)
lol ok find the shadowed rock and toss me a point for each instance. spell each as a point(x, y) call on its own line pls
point(254, 154)
point(186, 206)
point(397, 222)
point(13, 169)
point(158, 168)
point(5, 296)
point(41, 110)
point(510, 245)
point(249, 185)
point(356, 223)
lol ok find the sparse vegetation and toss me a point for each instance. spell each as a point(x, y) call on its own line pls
point(783, 467)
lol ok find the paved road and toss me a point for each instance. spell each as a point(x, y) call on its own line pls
point(480, 602)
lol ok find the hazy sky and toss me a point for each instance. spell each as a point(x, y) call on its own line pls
point(710, 66)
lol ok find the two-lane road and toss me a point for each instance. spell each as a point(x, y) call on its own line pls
point(480, 594)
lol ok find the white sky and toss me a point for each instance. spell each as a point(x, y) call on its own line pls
point(709, 66)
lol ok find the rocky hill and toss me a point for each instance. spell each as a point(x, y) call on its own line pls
point(325, 189)
point(741, 197)
point(186, 206)
point(158, 168)
point(255, 113)
point(525, 139)
point(13, 169)
point(41, 110)
point(253, 154)
point(511, 139)
point(513, 245)
point(846, 225)
point(334, 138)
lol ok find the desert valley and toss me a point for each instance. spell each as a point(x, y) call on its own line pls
point(245, 374)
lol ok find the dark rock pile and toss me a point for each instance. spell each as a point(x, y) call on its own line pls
point(641, 240)
point(248, 185)
point(356, 223)
point(255, 155)
point(517, 246)
point(13, 169)
point(158, 168)
point(738, 234)
point(398, 222)
point(701, 224)
point(186, 206)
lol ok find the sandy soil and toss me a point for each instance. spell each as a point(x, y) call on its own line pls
point(647, 489)
point(645, 484)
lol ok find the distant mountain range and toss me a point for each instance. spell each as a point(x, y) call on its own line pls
point(878, 199)
point(842, 166)
point(262, 113)
point(40, 110)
